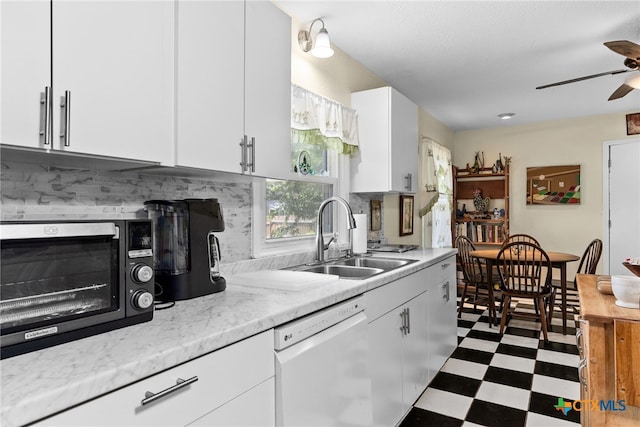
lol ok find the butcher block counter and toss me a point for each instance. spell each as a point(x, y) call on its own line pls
point(609, 344)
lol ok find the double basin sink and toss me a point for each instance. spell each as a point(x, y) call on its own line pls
point(355, 267)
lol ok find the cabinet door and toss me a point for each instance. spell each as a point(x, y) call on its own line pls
point(388, 126)
point(442, 315)
point(370, 167)
point(116, 59)
point(254, 408)
point(404, 143)
point(415, 350)
point(210, 84)
point(385, 345)
point(268, 88)
point(25, 70)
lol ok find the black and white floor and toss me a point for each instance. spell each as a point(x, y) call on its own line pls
point(514, 380)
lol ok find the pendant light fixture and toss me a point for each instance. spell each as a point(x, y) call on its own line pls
point(322, 48)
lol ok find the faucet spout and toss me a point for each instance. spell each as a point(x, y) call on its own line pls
point(351, 224)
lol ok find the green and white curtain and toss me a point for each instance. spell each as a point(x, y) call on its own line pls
point(316, 120)
point(435, 160)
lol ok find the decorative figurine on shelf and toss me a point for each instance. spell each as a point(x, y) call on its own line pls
point(507, 161)
point(499, 165)
point(481, 204)
point(476, 164)
point(460, 212)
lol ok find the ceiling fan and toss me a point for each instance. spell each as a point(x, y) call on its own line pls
point(625, 48)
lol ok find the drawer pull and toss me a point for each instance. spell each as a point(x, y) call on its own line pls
point(445, 265)
point(180, 383)
point(581, 367)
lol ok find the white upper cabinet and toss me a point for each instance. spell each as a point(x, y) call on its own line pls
point(387, 160)
point(234, 87)
point(25, 70)
point(113, 60)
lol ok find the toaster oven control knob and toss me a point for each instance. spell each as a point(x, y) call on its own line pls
point(142, 273)
point(142, 299)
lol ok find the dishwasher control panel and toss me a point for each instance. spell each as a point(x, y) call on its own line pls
point(297, 330)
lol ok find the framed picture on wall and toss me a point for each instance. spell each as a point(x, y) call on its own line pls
point(633, 124)
point(376, 215)
point(554, 185)
point(406, 215)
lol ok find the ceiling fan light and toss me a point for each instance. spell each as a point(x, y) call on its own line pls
point(506, 116)
point(633, 81)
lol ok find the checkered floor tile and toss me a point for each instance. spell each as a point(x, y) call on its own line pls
point(513, 380)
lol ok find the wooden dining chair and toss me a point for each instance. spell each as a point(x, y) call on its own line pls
point(588, 265)
point(473, 279)
point(525, 272)
point(520, 238)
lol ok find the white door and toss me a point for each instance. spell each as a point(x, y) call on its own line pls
point(25, 70)
point(415, 350)
point(385, 346)
point(210, 79)
point(267, 116)
point(116, 59)
point(622, 206)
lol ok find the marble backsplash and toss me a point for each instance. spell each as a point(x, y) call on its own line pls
point(33, 192)
point(36, 192)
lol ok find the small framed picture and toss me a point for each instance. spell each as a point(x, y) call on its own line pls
point(376, 215)
point(406, 215)
point(633, 124)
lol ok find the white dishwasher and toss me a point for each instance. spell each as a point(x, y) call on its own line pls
point(322, 368)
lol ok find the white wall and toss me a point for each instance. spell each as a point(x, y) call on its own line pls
point(575, 141)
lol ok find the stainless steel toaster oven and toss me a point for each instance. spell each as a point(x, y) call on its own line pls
point(62, 281)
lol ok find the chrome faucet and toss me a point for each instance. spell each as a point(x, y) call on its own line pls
point(351, 224)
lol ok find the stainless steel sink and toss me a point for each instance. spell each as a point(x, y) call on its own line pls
point(383, 263)
point(344, 271)
point(356, 267)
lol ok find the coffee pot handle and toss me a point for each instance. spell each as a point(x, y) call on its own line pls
point(214, 255)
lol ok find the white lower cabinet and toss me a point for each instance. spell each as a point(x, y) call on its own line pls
point(412, 332)
point(398, 346)
point(441, 309)
point(229, 381)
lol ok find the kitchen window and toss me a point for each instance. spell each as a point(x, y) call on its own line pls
point(285, 212)
point(323, 134)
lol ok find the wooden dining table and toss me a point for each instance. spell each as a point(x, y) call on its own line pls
point(558, 260)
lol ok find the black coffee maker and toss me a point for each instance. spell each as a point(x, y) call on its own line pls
point(187, 252)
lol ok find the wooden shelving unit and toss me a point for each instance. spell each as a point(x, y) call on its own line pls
point(482, 231)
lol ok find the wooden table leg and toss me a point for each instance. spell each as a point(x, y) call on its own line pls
point(563, 286)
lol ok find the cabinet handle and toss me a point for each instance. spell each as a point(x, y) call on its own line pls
point(403, 327)
point(408, 183)
point(445, 289)
point(408, 321)
point(243, 153)
point(445, 265)
point(180, 383)
point(252, 165)
point(579, 342)
point(581, 366)
point(65, 117)
point(45, 126)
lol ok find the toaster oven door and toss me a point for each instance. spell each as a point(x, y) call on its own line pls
point(58, 277)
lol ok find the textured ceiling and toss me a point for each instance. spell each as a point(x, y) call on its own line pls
point(467, 62)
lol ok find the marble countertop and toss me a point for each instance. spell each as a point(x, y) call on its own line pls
point(41, 383)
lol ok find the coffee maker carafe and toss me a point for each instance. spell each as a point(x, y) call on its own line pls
point(187, 252)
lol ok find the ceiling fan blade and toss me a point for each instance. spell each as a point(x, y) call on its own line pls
point(621, 91)
point(583, 78)
point(625, 47)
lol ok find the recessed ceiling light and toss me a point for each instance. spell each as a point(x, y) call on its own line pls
point(506, 116)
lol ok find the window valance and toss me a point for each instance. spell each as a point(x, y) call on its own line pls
point(317, 120)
